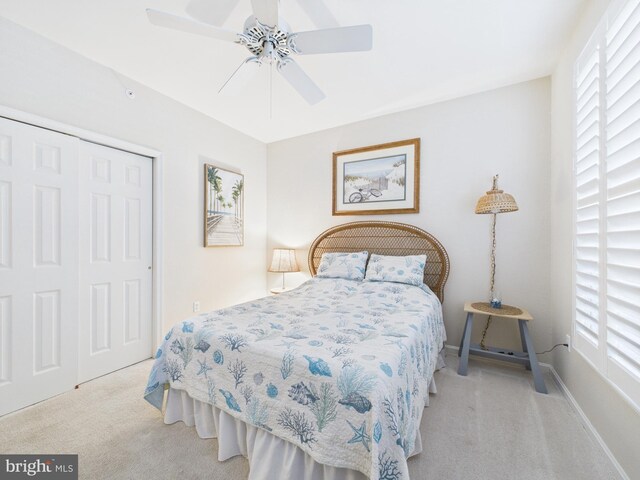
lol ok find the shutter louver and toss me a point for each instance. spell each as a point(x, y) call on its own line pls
point(623, 190)
point(587, 196)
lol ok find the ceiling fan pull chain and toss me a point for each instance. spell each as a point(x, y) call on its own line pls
point(271, 91)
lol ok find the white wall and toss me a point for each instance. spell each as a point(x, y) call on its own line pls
point(464, 142)
point(43, 78)
point(615, 420)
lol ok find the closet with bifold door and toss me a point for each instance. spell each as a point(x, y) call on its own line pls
point(75, 262)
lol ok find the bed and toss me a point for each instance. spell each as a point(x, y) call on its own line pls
point(327, 381)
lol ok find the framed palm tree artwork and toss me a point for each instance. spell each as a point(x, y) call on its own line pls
point(223, 207)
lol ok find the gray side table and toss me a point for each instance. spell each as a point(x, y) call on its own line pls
point(527, 357)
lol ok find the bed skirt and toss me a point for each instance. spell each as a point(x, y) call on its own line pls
point(277, 457)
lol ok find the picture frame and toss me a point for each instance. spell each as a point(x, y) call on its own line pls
point(377, 180)
point(223, 207)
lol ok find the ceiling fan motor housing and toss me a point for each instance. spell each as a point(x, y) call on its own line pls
point(266, 43)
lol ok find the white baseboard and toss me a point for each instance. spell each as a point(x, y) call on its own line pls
point(576, 407)
point(588, 425)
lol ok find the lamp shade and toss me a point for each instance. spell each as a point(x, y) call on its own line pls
point(496, 201)
point(284, 260)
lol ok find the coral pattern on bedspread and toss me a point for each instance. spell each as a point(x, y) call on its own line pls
point(338, 367)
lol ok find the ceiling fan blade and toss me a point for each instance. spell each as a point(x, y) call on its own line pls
point(319, 14)
point(213, 13)
point(266, 11)
point(357, 38)
point(188, 25)
point(299, 80)
point(240, 78)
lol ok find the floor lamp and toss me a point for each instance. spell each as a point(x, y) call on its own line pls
point(495, 201)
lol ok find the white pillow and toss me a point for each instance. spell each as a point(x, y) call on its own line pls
point(408, 269)
point(343, 265)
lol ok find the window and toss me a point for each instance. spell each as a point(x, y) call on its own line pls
point(607, 199)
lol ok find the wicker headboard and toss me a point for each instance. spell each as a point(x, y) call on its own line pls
point(385, 238)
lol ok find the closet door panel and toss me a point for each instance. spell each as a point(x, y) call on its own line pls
point(115, 259)
point(38, 264)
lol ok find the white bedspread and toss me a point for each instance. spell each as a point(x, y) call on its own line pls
point(337, 367)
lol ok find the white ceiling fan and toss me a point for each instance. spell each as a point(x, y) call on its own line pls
point(268, 38)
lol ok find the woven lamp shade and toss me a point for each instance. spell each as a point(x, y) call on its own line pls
point(496, 201)
point(284, 260)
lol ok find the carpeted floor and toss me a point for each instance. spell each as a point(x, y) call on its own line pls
point(490, 424)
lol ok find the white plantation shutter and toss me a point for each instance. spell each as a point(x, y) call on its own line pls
point(623, 198)
point(607, 186)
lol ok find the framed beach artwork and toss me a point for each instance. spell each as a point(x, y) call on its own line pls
point(380, 179)
point(223, 207)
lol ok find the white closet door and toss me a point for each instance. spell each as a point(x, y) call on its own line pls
point(38, 264)
point(115, 259)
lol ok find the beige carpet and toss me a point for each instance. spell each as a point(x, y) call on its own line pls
point(489, 425)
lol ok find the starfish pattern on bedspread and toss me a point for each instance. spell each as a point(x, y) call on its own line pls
point(360, 435)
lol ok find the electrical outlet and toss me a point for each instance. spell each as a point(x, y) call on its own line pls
point(196, 306)
point(567, 340)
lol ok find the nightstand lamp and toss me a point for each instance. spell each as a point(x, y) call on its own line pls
point(495, 201)
point(284, 261)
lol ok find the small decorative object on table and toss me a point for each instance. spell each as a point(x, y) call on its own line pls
point(496, 300)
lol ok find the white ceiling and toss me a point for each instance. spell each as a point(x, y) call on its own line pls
point(423, 51)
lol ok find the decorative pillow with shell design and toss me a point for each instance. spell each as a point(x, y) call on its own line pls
point(407, 269)
point(343, 265)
